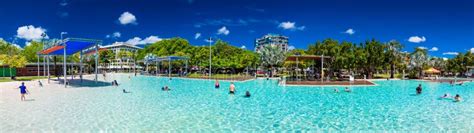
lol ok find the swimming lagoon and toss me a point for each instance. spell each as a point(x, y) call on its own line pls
point(195, 105)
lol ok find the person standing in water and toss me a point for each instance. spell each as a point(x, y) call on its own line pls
point(457, 98)
point(23, 91)
point(419, 89)
point(217, 85)
point(247, 94)
point(232, 88)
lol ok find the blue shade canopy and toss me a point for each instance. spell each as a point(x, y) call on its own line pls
point(73, 46)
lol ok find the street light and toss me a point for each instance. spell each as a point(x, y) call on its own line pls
point(63, 33)
point(210, 57)
point(64, 59)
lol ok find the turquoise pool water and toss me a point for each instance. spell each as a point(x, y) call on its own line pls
point(194, 105)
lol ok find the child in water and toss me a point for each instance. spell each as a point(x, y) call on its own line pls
point(217, 85)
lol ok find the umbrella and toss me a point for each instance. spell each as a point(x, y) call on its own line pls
point(432, 70)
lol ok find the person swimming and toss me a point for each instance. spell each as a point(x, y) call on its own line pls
point(347, 89)
point(124, 91)
point(232, 88)
point(165, 88)
point(247, 94)
point(419, 89)
point(446, 95)
point(336, 90)
point(217, 85)
point(460, 83)
point(457, 98)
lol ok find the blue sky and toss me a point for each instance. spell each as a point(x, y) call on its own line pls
point(447, 25)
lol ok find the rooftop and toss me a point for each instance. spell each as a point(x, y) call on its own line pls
point(119, 44)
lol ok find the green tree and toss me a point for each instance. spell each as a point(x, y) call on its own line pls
point(105, 57)
point(374, 51)
point(393, 55)
point(30, 52)
point(419, 61)
point(272, 56)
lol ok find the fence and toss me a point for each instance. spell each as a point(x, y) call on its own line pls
point(5, 72)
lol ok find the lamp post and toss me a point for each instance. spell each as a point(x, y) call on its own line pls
point(210, 57)
point(64, 59)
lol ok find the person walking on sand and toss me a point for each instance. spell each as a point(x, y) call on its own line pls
point(23, 91)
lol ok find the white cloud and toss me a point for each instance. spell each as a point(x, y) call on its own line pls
point(114, 35)
point(416, 39)
point(421, 47)
point(63, 3)
point(349, 31)
point(127, 18)
point(134, 41)
point(290, 26)
point(27, 43)
point(17, 46)
point(148, 40)
point(151, 39)
point(291, 47)
point(31, 32)
point(223, 31)
point(197, 35)
point(450, 53)
point(433, 49)
point(243, 47)
point(472, 50)
point(445, 59)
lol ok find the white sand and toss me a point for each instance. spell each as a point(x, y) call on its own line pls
point(10, 93)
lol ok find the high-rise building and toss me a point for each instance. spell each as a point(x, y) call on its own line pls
point(272, 39)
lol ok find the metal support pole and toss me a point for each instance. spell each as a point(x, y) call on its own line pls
point(80, 65)
point(186, 66)
point(96, 60)
point(38, 65)
point(169, 67)
point(210, 58)
point(322, 68)
point(72, 70)
point(49, 74)
point(297, 68)
point(64, 66)
point(157, 69)
point(44, 65)
point(146, 68)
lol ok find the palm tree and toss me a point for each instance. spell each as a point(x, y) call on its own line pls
point(393, 55)
point(419, 60)
point(272, 56)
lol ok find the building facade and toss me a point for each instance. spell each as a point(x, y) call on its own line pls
point(272, 39)
point(121, 63)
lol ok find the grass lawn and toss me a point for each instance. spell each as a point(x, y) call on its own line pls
point(22, 78)
point(384, 76)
